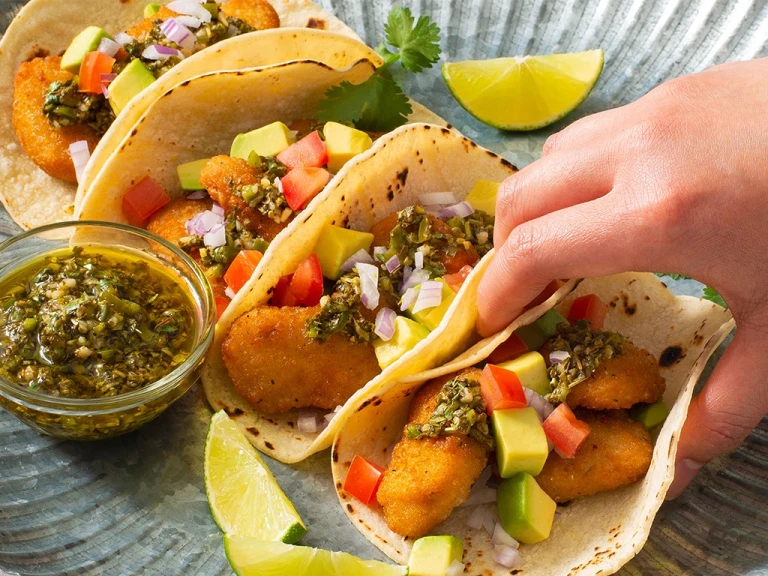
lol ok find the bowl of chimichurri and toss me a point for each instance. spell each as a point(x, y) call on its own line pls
point(102, 327)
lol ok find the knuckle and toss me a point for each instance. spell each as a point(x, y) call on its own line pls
point(510, 203)
point(522, 252)
point(551, 143)
point(654, 132)
point(724, 428)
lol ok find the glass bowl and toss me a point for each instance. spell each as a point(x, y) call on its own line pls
point(97, 418)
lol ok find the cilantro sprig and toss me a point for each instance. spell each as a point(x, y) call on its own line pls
point(379, 104)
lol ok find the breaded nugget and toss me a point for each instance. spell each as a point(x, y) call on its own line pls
point(222, 176)
point(44, 144)
point(620, 383)
point(381, 233)
point(140, 30)
point(616, 453)
point(258, 13)
point(169, 223)
point(427, 478)
point(276, 367)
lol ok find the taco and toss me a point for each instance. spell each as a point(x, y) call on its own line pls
point(68, 121)
point(227, 188)
point(546, 449)
point(378, 281)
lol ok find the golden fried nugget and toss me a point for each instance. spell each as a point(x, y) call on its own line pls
point(467, 256)
point(140, 30)
point(427, 478)
point(620, 383)
point(258, 13)
point(222, 176)
point(170, 222)
point(275, 366)
point(44, 144)
point(616, 453)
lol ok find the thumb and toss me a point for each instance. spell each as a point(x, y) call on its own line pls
point(731, 404)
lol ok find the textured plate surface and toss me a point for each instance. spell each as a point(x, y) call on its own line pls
point(136, 505)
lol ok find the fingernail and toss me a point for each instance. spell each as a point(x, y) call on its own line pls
point(685, 472)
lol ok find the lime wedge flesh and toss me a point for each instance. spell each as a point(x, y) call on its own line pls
point(524, 93)
point(244, 496)
point(251, 557)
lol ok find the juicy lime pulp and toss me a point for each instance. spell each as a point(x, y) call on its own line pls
point(243, 495)
point(524, 93)
point(252, 557)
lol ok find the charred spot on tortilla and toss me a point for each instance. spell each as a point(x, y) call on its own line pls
point(269, 445)
point(253, 431)
point(671, 355)
point(350, 508)
point(335, 455)
point(390, 195)
point(37, 53)
point(290, 424)
point(403, 176)
point(316, 23)
point(378, 403)
point(233, 412)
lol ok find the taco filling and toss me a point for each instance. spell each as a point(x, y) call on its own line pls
point(357, 304)
point(70, 100)
point(568, 409)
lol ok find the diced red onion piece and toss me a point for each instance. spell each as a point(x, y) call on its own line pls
point(384, 327)
point(418, 260)
point(122, 38)
point(159, 52)
point(485, 475)
point(175, 31)
point(409, 298)
point(198, 195)
point(489, 523)
point(538, 403)
point(557, 356)
point(190, 22)
point(481, 495)
point(414, 279)
point(204, 222)
point(430, 295)
point(480, 486)
point(455, 568)
point(356, 258)
point(369, 284)
point(478, 517)
point(431, 198)
point(501, 538)
point(506, 556)
point(80, 156)
point(190, 8)
point(379, 250)
point(393, 264)
point(107, 78)
point(108, 46)
point(216, 209)
point(216, 237)
point(308, 422)
point(462, 210)
point(331, 415)
point(104, 90)
point(230, 293)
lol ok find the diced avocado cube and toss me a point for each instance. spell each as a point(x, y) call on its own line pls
point(650, 415)
point(268, 140)
point(407, 334)
point(431, 555)
point(483, 196)
point(532, 372)
point(336, 245)
point(189, 174)
point(525, 510)
point(87, 41)
point(431, 317)
point(150, 10)
point(521, 444)
point(131, 81)
point(534, 335)
point(342, 143)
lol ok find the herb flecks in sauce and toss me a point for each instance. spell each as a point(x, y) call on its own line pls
point(267, 195)
point(460, 410)
point(477, 229)
point(88, 324)
point(588, 350)
point(65, 105)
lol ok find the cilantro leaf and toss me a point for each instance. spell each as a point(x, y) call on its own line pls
point(712, 295)
point(376, 105)
point(419, 45)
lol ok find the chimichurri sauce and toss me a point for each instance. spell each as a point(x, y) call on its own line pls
point(92, 322)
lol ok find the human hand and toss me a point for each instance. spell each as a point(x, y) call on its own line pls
point(678, 182)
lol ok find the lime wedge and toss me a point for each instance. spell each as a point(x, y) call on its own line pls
point(243, 495)
point(251, 557)
point(524, 93)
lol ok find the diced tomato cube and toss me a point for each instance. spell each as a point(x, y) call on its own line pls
point(456, 280)
point(501, 389)
point(545, 294)
point(242, 268)
point(307, 282)
point(281, 295)
point(142, 200)
point(221, 305)
point(307, 152)
point(565, 430)
point(121, 54)
point(589, 308)
point(301, 184)
point(511, 348)
point(93, 66)
point(363, 479)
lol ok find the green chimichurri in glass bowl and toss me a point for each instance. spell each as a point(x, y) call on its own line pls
point(102, 327)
